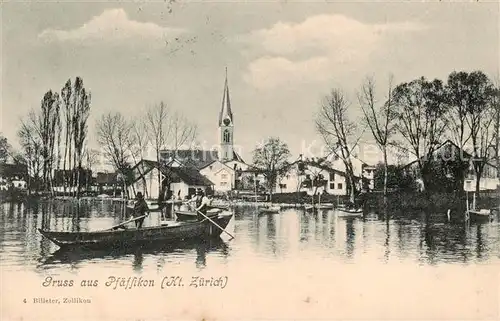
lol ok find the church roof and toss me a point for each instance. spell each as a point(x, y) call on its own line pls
point(226, 104)
point(196, 158)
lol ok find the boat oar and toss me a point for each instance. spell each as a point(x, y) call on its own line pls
point(208, 218)
point(131, 220)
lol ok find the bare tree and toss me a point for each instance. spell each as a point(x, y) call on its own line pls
point(5, 149)
point(31, 145)
point(81, 114)
point(113, 133)
point(380, 118)
point(481, 120)
point(91, 159)
point(66, 93)
point(271, 159)
point(458, 94)
point(181, 131)
point(420, 108)
point(338, 131)
point(139, 145)
point(158, 131)
point(46, 124)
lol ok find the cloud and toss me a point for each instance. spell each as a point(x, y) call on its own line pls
point(289, 50)
point(269, 72)
point(111, 25)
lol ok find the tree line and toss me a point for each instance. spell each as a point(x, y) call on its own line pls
point(54, 136)
point(125, 141)
point(414, 118)
point(54, 140)
point(417, 117)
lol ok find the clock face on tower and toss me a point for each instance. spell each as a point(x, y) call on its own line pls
point(227, 121)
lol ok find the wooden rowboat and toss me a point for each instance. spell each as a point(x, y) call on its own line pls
point(174, 231)
point(482, 215)
point(269, 210)
point(192, 216)
point(350, 212)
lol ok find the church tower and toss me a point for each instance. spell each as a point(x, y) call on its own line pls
point(226, 126)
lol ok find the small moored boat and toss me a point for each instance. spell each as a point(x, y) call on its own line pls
point(482, 215)
point(474, 214)
point(350, 212)
point(324, 206)
point(115, 237)
point(308, 207)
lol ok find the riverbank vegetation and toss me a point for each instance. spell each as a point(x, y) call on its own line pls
point(413, 118)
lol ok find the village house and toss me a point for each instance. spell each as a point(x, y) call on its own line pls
point(363, 171)
point(449, 151)
point(313, 177)
point(13, 176)
point(151, 179)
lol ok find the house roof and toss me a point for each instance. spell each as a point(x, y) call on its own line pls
point(10, 170)
point(106, 178)
point(324, 166)
point(191, 176)
point(188, 174)
point(445, 143)
point(196, 158)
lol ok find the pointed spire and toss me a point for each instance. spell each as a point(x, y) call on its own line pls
point(226, 103)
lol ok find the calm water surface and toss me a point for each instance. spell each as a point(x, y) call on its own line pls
point(292, 233)
point(286, 244)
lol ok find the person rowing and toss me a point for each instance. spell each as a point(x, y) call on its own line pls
point(140, 209)
point(201, 203)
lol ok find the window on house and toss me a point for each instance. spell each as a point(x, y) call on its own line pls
point(332, 185)
point(224, 176)
point(332, 176)
point(282, 185)
point(339, 185)
point(223, 183)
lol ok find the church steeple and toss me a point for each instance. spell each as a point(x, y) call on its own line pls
point(225, 112)
point(226, 126)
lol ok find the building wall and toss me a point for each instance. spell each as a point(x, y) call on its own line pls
point(358, 169)
point(152, 185)
point(335, 185)
point(221, 175)
point(185, 189)
point(489, 179)
point(288, 183)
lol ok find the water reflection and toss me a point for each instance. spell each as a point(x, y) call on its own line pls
point(136, 254)
point(293, 233)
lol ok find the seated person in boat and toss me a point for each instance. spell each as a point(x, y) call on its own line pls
point(193, 200)
point(140, 209)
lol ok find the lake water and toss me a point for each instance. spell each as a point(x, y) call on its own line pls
point(288, 265)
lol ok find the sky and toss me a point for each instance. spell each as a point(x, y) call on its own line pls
point(282, 58)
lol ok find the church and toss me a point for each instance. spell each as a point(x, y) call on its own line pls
point(222, 165)
point(186, 170)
